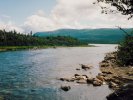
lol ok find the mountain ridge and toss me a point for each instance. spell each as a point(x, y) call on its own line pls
point(100, 35)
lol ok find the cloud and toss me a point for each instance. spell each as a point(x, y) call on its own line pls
point(75, 14)
point(87, 14)
point(9, 26)
point(38, 23)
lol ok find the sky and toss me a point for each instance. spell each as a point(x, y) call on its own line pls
point(47, 15)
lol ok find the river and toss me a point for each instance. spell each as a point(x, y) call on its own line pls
point(33, 74)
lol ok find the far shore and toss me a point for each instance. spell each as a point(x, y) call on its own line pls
point(15, 48)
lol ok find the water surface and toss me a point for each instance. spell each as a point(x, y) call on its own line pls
point(32, 75)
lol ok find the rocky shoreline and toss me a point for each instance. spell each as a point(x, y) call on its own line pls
point(115, 76)
point(118, 78)
point(111, 74)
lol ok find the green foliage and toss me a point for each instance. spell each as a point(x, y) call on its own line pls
point(125, 51)
point(13, 38)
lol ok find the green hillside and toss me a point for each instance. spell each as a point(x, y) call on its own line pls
point(102, 35)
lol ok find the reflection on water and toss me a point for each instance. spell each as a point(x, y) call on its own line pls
point(32, 75)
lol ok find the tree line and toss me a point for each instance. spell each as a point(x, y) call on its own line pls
point(13, 38)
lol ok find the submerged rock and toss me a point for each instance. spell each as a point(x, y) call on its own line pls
point(65, 88)
point(77, 68)
point(124, 93)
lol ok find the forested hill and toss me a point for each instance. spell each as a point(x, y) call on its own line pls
point(13, 38)
point(102, 35)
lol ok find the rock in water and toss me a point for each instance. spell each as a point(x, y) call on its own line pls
point(77, 68)
point(90, 80)
point(65, 88)
point(76, 75)
point(100, 78)
point(82, 81)
point(124, 93)
point(67, 79)
point(85, 67)
point(97, 82)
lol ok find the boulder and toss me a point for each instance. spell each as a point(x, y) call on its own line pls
point(124, 93)
point(110, 56)
point(130, 73)
point(86, 67)
point(102, 74)
point(82, 81)
point(104, 61)
point(113, 85)
point(101, 78)
point(90, 80)
point(117, 81)
point(67, 79)
point(85, 76)
point(65, 88)
point(108, 79)
point(76, 75)
point(63, 79)
point(80, 78)
point(97, 82)
point(104, 64)
point(71, 80)
point(107, 72)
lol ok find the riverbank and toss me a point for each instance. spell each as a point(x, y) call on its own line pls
point(15, 48)
point(115, 76)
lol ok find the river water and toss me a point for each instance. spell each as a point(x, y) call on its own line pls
point(33, 74)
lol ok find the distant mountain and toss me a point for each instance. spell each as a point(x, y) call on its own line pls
point(103, 35)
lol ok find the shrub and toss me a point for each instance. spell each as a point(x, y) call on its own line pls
point(125, 51)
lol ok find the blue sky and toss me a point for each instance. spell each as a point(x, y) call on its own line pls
point(47, 15)
point(18, 10)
